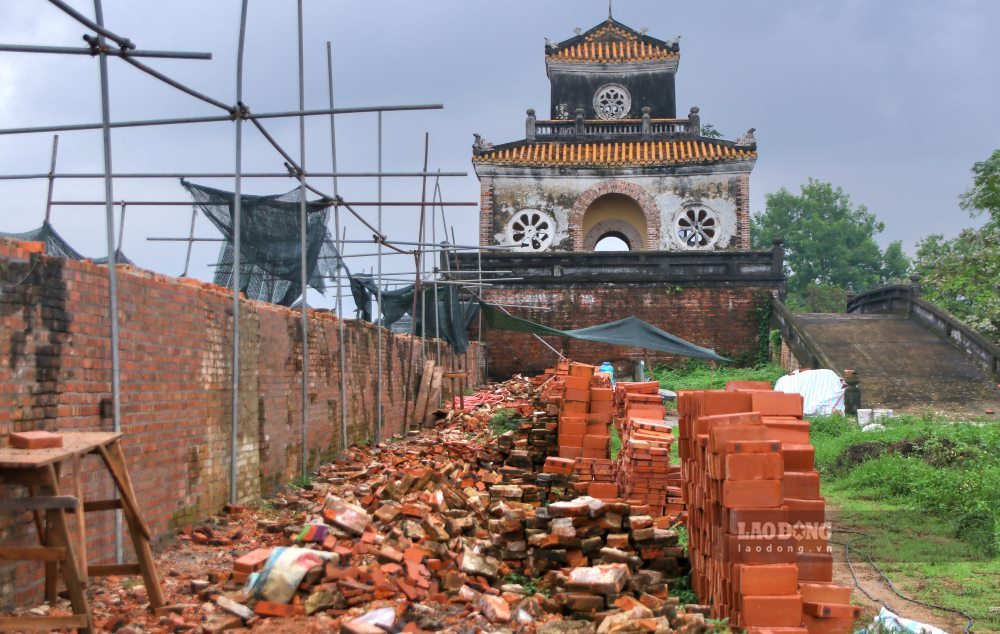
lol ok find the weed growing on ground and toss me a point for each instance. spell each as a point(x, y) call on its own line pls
point(531, 585)
point(616, 443)
point(503, 421)
point(698, 375)
point(301, 482)
point(949, 469)
point(681, 588)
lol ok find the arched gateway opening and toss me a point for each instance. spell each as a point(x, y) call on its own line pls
point(616, 222)
point(613, 242)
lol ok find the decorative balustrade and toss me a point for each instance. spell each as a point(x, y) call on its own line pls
point(600, 128)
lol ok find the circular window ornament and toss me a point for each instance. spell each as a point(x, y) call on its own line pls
point(697, 227)
point(530, 230)
point(612, 101)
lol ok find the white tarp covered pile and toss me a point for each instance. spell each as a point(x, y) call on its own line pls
point(822, 390)
point(887, 621)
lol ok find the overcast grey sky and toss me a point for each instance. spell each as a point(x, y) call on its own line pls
point(893, 100)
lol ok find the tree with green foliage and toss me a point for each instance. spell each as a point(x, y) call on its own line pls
point(830, 246)
point(984, 197)
point(962, 275)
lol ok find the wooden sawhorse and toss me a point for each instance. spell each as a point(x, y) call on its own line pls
point(39, 470)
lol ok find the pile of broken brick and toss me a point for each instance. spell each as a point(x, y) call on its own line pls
point(440, 531)
point(457, 529)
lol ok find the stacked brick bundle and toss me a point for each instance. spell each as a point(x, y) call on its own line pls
point(601, 470)
point(584, 407)
point(757, 541)
point(644, 472)
point(528, 446)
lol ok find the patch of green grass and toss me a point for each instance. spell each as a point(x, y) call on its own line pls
point(698, 375)
point(504, 420)
point(616, 443)
point(301, 481)
point(681, 588)
point(947, 469)
point(922, 498)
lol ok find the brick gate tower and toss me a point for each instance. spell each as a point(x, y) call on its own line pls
point(614, 161)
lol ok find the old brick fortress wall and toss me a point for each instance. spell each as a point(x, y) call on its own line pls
point(712, 299)
point(176, 345)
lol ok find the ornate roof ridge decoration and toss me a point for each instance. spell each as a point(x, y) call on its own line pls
point(616, 153)
point(612, 42)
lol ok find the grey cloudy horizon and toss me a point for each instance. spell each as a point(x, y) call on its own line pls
point(893, 101)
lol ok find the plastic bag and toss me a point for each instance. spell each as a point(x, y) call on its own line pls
point(888, 621)
point(284, 571)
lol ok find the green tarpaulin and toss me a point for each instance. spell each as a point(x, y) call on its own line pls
point(630, 331)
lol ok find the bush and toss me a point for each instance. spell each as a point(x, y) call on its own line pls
point(948, 469)
point(503, 421)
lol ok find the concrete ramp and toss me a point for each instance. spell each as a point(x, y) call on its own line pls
point(902, 364)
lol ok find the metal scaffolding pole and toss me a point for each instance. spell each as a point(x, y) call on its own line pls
point(326, 202)
point(109, 217)
point(479, 327)
point(52, 177)
point(379, 387)
point(173, 175)
point(304, 274)
point(408, 391)
point(121, 233)
point(70, 50)
point(342, 354)
point(187, 258)
point(96, 27)
point(234, 424)
point(141, 123)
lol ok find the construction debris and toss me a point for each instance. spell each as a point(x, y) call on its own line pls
point(535, 529)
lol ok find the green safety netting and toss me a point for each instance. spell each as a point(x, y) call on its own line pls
point(57, 246)
point(446, 314)
point(270, 247)
point(630, 331)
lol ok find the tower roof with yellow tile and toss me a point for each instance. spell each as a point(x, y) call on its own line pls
point(612, 42)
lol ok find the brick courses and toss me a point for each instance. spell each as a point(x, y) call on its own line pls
point(758, 548)
point(175, 388)
point(723, 318)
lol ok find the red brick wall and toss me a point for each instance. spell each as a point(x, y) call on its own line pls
point(724, 318)
point(176, 347)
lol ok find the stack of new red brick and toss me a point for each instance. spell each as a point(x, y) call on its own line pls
point(584, 414)
point(596, 470)
point(644, 472)
point(757, 542)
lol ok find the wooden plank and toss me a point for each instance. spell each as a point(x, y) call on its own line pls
point(32, 553)
point(18, 505)
point(79, 621)
point(115, 462)
point(81, 523)
point(58, 535)
point(92, 506)
point(75, 443)
point(109, 570)
point(420, 410)
point(434, 396)
point(137, 529)
point(51, 472)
